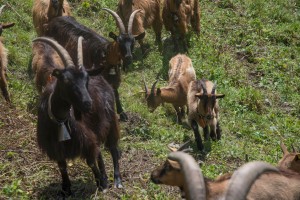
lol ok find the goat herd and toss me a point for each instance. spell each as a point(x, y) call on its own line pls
point(77, 75)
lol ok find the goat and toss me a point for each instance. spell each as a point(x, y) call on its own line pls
point(150, 16)
point(76, 113)
point(44, 11)
point(4, 61)
point(290, 160)
point(177, 15)
point(98, 52)
point(268, 182)
point(181, 73)
point(204, 110)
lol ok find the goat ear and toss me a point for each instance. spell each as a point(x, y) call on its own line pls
point(220, 96)
point(140, 36)
point(297, 157)
point(113, 36)
point(174, 164)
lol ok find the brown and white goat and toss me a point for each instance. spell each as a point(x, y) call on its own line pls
point(4, 61)
point(204, 110)
point(44, 11)
point(181, 73)
point(267, 181)
point(289, 161)
point(178, 15)
point(76, 113)
point(98, 52)
point(149, 17)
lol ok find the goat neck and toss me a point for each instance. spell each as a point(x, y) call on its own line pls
point(113, 54)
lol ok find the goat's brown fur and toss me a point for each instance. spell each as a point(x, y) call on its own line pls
point(3, 68)
point(43, 12)
point(150, 15)
point(181, 73)
point(178, 14)
point(289, 160)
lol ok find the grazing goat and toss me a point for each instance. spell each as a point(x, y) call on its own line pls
point(150, 16)
point(289, 161)
point(44, 11)
point(76, 113)
point(181, 73)
point(98, 52)
point(177, 15)
point(3, 61)
point(204, 110)
point(268, 182)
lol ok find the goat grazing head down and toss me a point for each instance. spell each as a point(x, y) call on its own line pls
point(153, 97)
point(125, 40)
point(56, 7)
point(290, 160)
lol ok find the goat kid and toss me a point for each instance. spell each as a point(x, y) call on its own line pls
point(76, 113)
point(4, 61)
point(98, 52)
point(149, 16)
point(44, 11)
point(177, 15)
point(181, 73)
point(289, 161)
point(204, 110)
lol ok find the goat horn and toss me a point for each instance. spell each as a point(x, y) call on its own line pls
point(118, 19)
point(294, 150)
point(283, 148)
point(193, 177)
point(214, 89)
point(145, 85)
point(153, 87)
point(64, 55)
point(183, 146)
point(1, 9)
point(242, 179)
point(79, 52)
point(130, 23)
point(203, 85)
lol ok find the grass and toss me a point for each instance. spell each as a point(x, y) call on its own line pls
point(249, 48)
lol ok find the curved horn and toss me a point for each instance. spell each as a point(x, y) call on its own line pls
point(130, 22)
point(64, 55)
point(145, 85)
point(213, 91)
point(1, 9)
point(242, 179)
point(193, 177)
point(118, 19)
point(153, 87)
point(283, 148)
point(80, 53)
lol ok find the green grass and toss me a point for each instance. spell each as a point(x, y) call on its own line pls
point(251, 49)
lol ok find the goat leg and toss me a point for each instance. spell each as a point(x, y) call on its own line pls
point(117, 176)
point(197, 135)
point(218, 131)
point(92, 164)
point(206, 132)
point(3, 86)
point(175, 42)
point(213, 131)
point(120, 111)
point(66, 184)
point(103, 176)
point(178, 113)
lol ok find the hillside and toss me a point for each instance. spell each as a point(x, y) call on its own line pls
point(250, 48)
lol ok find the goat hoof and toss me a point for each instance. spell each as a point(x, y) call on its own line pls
point(123, 117)
point(118, 185)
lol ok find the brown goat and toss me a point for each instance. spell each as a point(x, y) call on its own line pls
point(290, 160)
point(268, 182)
point(76, 112)
point(177, 15)
point(44, 11)
point(3, 61)
point(181, 73)
point(150, 16)
point(204, 110)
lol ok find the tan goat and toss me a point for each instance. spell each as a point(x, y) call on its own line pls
point(181, 73)
point(45, 10)
point(178, 15)
point(204, 110)
point(290, 160)
point(149, 17)
point(3, 61)
point(267, 182)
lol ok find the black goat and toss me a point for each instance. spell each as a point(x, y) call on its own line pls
point(98, 52)
point(76, 113)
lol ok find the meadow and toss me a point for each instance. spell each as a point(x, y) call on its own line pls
point(249, 48)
